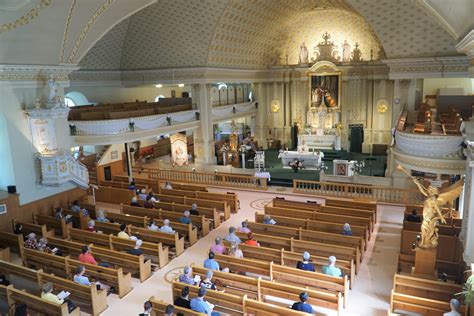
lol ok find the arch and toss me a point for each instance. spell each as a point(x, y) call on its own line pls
point(77, 97)
point(323, 66)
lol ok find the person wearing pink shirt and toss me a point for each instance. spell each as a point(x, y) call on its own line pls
point(218, 247)
point(244, 228)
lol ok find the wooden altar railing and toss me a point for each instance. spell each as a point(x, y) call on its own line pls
point(347, 190)
point(212, 179)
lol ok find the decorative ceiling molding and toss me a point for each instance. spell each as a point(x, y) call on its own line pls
point(413, 68)
point(25, 18)
point(66, 30)
point(423, 4)
point(28, 73)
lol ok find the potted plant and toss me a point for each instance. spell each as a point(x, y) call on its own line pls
point(468, 291)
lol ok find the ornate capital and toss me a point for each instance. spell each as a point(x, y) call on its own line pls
point(35, 72)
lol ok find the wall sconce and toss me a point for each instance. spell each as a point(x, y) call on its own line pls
point(382, 106)
point(275, 106)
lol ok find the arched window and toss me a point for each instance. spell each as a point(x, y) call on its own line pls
point(250, 96)
point(69, 102)
point(157, 99)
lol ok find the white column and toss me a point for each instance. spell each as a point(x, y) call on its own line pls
point(411, 96)
point(204, 137)
point(467, 231)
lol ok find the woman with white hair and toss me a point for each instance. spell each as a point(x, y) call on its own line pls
point(306, 263)
point(187, 276)
point(234, 251)
point(152, 226)
point(91, 226)
point(166, 228)
point(136, 249)
point(134, 202)
point(101, 217)
point(142, 196)
point(455, 306)
point(43, 245)
point(31, 242)
point(331, 268)
point(207, 282)
point(185, 218)
point(346, 229)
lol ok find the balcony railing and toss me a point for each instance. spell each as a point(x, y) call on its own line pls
point(427, 145)
point(235, 109)
point(345, 190)
point(228, 102)
point(126, 125)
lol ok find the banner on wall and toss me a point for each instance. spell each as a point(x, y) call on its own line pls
point(179, 150)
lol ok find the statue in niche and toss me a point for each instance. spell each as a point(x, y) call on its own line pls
point(303, 55)
point(53, 89)
point(346, 52)
point(356, 54)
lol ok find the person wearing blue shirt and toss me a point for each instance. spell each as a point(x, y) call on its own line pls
point(198, 304)
point(232, 237)
point(302, 306)
point(211, 263)
point(166, 228)
point(305, 264)
point(331, 269)
point(185, 218)
point(79, 276)
point(346, 229)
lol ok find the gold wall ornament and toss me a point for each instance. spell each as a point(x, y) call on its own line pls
point(67, 29)
point(26, 18)
point(435, 199)
point(382, 106)
point(275, 106)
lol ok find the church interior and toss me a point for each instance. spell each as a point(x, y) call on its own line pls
point(236, 157)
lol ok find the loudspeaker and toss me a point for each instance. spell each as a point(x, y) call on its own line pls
point(185, 94)
point(11, 189)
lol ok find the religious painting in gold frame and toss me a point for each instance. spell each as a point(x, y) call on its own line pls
point(325, 89)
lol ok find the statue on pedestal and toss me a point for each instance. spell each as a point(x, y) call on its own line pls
point(346, 52)
point(303, 55)
point(356, 53)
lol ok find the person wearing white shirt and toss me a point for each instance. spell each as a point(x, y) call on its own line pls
point(152, 226)
point(166, 227)
point(455, 305)
point(303, 148)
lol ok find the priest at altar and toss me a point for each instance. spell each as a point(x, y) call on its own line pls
point(303, 148)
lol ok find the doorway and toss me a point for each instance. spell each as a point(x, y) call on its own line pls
point(356, 138)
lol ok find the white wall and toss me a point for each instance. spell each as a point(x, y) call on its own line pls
point(117, 94)
point(431, 85)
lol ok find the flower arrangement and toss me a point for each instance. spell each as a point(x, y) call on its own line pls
point(296, 165)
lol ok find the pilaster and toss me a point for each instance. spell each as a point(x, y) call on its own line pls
point(204, 135)
point(466, 46)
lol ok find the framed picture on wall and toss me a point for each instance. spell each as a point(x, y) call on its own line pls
point(325, 89)
point(3, 209)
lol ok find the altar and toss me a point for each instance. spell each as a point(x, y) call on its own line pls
point(310, 160)
point(314, 141)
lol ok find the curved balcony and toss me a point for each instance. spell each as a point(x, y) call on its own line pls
point(428, 145)
point(130, 129)
point(228, 112)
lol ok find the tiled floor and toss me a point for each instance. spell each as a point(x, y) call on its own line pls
point(371, 292)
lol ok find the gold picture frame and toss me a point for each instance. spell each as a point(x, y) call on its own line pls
point(329, 82)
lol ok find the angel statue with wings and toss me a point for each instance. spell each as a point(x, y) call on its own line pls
point(432, 208)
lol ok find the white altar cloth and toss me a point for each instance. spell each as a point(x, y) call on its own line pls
point(308, 159)
point(319, 141)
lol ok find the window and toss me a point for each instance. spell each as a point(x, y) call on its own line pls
point(69, 102)
point(157, 99)
point(250, 96)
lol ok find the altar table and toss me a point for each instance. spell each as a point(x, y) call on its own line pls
point(308, 159)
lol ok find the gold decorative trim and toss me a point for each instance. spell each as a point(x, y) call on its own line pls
point(26, 18)
point(93, 18)
point(66, 29)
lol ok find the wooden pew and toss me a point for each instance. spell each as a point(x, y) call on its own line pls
point(156, 184)
point(5, 254)
point(227, 303)
point(310, 235)
point(8, 268)
point(12, 242)
point(252, 307)
point(84, 295)
point(159, 308)
point(420, 287)
point(200, 221)
point(58, 224)
point(453, 270)
point(423, 306)
point(36, 303)
point(39, 230)
point(350, 212)
point(286, 275)
point(220, 206)
point(122, 185)
point(290, 259)
point(322, 249)
point(447, 230)
point(258, 288)
point(327, 227)
point(156, 251)
point(183, 229)
point(128, 219)
point(113, 195)
point(353, 204)
point(319, 216)
point(183, 186)
point(66, 267)
point(283, 203)
point(172, 240)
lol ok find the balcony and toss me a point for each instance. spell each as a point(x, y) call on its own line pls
point(229, 112)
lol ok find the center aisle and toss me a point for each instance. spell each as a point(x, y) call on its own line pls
point(373, 284)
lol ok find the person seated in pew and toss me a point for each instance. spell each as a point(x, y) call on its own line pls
point(87, 257)
point(194, 209)
point(267, 219)
point(132, 186)
point(211, 263)
point(153, 197)
point(44, 247)
point(185, 218)
point(75, 206)
point(187, 276)
point(207, 282)
point(142, 195)
point(232, 237)
point(251, 241)
point(198, 304)
point(302, 306)
point(331, 268)
point(169, 311)
point(46, 294)
point(80, 278)
point(183, 300)
point(101, 217)
point(122, 233)
point(59, 213)
point(168, 186)
point(147, 309)
point(148, 203)
point(134, 202)
point(235, 252)
point(306, 263)
point(413, 217)
point(136, 249)
point(244, 228)
point(31, 242)
point(91, 226)
point(152, 226)
point(455, 305)
point(218, 247)
point(346, 229)
point(18, 230)
point(166, 228)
